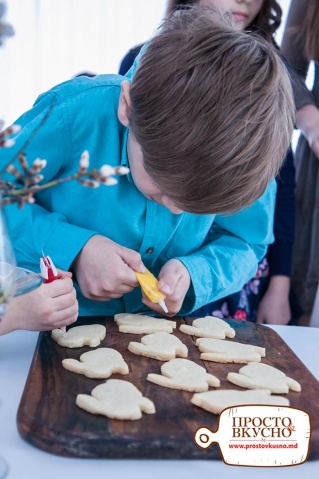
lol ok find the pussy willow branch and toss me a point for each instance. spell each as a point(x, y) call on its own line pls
point(29, 139)
point(94, 175)
point(29, 177)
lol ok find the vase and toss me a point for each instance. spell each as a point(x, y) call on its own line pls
point(7, 263)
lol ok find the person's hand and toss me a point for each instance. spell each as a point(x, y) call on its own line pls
point(104, 269)
point(307, 119)
point(274, 307)
point(174, 281)
point(52, 305)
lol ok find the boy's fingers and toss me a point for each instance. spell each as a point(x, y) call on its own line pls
point(59, 287)
point(64, 274)
point(132, 259)
point(66, 316)
point(169, 279)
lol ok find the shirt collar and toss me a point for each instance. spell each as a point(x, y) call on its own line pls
point(124, 157)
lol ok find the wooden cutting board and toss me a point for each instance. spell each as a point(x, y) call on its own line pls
point(48, 417)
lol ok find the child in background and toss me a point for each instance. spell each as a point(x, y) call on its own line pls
point(265, 18)
point(50, 306)
point(301, 46)
point(265, 298)
point(198, 148)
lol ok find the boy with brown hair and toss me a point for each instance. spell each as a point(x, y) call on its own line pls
point(204, 127)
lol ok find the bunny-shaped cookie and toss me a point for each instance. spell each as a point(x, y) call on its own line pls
point(223, 351)
point(185, 375)
point(116, 399)
point(262, 376)
point(87, 335)
point(161, 346)
point(100, 363)
point(209, 327)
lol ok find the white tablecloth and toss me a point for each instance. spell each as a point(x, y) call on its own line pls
point(26, 461)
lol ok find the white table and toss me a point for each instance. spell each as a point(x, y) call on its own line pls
point(26, 461)
point(314, 320)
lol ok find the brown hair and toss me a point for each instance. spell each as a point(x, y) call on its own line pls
point(212, 110)
point(309, 31)
point(265, 23)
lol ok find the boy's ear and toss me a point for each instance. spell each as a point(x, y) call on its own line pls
point(125, 103)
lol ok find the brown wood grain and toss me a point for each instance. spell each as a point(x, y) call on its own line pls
point(49, 419)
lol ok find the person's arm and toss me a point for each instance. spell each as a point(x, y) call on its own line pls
point(227, 260)
point(34, 228)
point(307, 115)
point(292, 48)
point(52, 305)
point(274, 307)
point(307, 120)
point(41, 226)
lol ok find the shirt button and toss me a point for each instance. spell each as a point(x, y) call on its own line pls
point(150, 250)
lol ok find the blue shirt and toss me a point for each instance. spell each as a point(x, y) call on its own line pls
point(220, 259)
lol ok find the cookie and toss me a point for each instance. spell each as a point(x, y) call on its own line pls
point(100, 363)
point(262, 376)
point(116, 399)
point(209, 327)
point(185, 375)
point(222, 351)
point(139, 324)
point(78, 336)
point(216, 401)
point(161, 346)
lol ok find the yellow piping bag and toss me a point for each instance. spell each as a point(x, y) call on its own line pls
point(149, 285)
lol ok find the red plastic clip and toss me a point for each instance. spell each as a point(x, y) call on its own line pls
point(48, 270)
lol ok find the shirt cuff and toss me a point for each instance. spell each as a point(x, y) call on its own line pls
point(279, 258)
point(65, 244)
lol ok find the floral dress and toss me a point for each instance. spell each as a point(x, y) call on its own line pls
point(244, 304)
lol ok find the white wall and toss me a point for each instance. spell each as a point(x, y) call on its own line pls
point(56, 39)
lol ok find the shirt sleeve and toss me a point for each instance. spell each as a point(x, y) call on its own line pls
point(230, 256)
point(280, 252)
point(33, 228)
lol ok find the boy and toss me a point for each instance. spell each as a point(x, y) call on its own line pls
point(203, 127)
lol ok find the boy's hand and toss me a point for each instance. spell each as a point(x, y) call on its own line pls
point(104, 269)
point(174, 281)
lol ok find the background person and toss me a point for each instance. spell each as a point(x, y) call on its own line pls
point(301, 46)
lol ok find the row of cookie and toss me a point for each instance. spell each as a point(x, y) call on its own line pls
point(163, 346)
point(182, 373)
point(92, 335)
point(211, 331)
point(178, 373)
